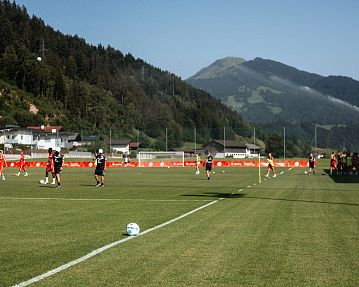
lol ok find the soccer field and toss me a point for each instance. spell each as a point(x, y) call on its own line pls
point(292, 230)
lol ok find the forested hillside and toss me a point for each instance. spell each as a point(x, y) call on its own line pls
point(50, 78)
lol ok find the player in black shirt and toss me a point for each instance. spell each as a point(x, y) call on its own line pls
point(209, 160)
point(311, 162)
point(100, 163)
point(58, 159)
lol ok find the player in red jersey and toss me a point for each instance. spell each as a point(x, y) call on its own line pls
point(333, 162)
point(50, 167)
point(2, 165)
point(22, 165)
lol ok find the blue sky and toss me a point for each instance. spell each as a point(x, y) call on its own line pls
point(183, 36)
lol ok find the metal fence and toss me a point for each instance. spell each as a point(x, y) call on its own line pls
point(287, 141)
point(284, 141)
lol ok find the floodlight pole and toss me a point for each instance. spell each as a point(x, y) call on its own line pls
point(110, 143)
point(259, 168)
point(138, 141)
point(315, 136)
point(254, 135)
point(32, 139)
point(224, 141)
point(284, 142)
point(195, 141)
point(166, 140)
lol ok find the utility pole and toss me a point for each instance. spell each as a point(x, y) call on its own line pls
point(166, 141)
point(315, 136)
point(224, 141)
point(284, 142)
point(195, 141)
point(110, 143)
point(138, 140)
point(254, 135)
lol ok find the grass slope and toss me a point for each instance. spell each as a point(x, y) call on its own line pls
point(293, 230)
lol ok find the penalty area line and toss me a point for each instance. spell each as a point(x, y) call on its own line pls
point(108, 246)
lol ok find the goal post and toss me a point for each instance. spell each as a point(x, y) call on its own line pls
point(160, 156)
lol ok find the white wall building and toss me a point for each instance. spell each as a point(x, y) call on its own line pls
point(119, 146)
point(36, 138)
point(13, 137)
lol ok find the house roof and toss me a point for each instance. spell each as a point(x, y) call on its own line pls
point(46, 129)
point(15, 128)
point(70, 136)
point(229, 143)
point(252, 146)
point(234, 144)
point(185, 150)
point(88, 138)
point(118, 141)
point(134, 144)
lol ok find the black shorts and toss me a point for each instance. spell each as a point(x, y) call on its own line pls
point(208, 166)
point(57, 169)
point(99, 172)
point(311, 164)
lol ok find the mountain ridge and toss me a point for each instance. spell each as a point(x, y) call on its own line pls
point(219, 66)
point(266, 91)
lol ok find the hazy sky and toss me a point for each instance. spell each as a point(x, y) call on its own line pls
point(183, 36)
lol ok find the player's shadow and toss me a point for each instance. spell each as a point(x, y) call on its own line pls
point(301, 200)
point(342, 178)
point(216, 195)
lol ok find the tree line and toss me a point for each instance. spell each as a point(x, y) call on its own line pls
point(95, 89)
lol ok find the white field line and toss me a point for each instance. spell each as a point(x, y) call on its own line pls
point(99, 199)
point(108, 246)
point(254, 184)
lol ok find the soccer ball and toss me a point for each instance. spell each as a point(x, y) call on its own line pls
point(42, 181)
point(133, 229)
point(39, 59)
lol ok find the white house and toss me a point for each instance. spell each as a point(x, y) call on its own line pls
point(36, 137)
point(12, 137)
point(232, 148)
point(44, 140)
point(119, 146)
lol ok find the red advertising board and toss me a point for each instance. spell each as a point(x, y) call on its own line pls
point(216, 163)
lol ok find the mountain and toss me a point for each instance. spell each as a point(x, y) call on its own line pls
point(225, 65)
point(50, 78)
point(268, 92)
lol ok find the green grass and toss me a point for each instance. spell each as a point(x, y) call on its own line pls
point(293, 230)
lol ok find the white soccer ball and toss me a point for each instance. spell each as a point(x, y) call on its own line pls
point(39, 59)
point(133, 229)
point(42, 181)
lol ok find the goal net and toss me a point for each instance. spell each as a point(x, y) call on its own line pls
point(160, 158)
